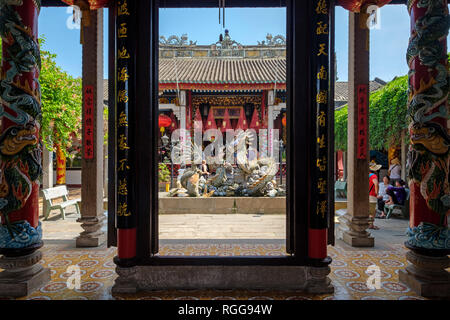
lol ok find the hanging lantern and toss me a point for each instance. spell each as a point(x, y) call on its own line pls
point(164, 121)
point(356, 5)
point(283, 121)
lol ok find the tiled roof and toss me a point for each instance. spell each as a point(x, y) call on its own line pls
point(191, 70)
point(341, 89)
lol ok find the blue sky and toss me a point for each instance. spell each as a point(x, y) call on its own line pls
point(247, 26)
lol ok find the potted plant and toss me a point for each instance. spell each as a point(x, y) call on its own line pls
point(164, 175)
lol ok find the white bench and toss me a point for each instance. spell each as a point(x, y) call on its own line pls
point(51, 194)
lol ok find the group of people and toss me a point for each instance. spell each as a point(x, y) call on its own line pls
point(390, 191)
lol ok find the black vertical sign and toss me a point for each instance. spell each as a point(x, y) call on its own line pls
point(125, 26)
point(320, 66)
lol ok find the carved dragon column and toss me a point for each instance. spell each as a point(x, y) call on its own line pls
point(428, 156)
point(20, 150)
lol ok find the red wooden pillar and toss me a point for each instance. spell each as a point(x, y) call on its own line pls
point(20, 117)
point(428, 111)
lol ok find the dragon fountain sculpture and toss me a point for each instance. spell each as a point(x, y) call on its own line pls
point(251, 177)
point(20, 145)
point(428, 156)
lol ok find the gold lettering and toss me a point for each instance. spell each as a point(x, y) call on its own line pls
point(322, 7)
point(122, 32)
point(123, 190)
point(123, 96)
point(123, 143)
point(321, 119)
point(123, 120)
point(122, 210)
point(123, 9)
point(123, 54)
point(321, 164)
point(322, 50)
point(322, 28)
point(322, 74)
point(321, 141)
point(322, 96)
point(123, 165)
point(321, 207)
point(321, 186)
point(123, 75)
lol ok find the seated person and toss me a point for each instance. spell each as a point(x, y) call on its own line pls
point(382, 195)
point(397, 194)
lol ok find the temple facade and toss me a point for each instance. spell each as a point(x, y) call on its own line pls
point(222, 86)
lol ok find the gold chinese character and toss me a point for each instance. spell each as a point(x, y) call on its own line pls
point(123, 210)
point(123, 96)
point(123, 165)
point(122, 32)
point(322, 74)
point(123, 54)
point(321, 28)
point(123, 190)
point(322, 50)
point(321, 207)
point(123, 75)
point(322, 96)
point(321, 164)
point(321, 119)
point(321, 142)
point(322, 185)
point(123, 9)
point(123, 120)
point(322, 7)
point(123, 143)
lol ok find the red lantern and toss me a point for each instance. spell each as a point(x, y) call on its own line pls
point(93, 4)
point(283, 121)
point(356, 5)
point(164, 121)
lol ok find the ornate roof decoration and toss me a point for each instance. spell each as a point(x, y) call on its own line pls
point(226, 43)
point(176, 41)
point(278, 40)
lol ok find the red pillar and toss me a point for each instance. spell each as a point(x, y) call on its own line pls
point(429, 153)
point(25, 81)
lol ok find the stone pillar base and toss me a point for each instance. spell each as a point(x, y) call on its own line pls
point(126, 281)
point(179, 277)
point(93, 236)
point(22, 275)
point(354, 231)
point(427, 275)
point(355, 241)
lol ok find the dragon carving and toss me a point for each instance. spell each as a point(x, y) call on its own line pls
point(20, 146)
point(429, 156)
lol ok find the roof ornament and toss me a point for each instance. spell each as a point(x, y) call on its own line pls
point(176, 41)
point(226, 43)
point(278, 40)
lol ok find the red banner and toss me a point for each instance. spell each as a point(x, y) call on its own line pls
point(88, 139)
point(362, 120)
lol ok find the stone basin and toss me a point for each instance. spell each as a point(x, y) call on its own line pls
point(221, 205)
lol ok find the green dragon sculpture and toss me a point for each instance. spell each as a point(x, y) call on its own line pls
point(20, 146)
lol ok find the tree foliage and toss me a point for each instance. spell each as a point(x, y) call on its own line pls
point(387, 116)
point(61, 103)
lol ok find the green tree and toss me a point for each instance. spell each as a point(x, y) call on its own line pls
point(387, 116)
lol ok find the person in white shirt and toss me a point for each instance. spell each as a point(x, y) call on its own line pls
point(382, 195)
point(395, 171)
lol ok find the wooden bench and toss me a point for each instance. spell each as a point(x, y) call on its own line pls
point(51, 194)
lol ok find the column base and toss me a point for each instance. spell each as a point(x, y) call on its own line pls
point(215, 277)
point(353, 231)
point(126, 281)
point(426, 275)
point(93, 236)
point(355, 241)
point(22, 275)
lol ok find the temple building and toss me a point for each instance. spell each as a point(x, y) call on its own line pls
point(226, 85)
